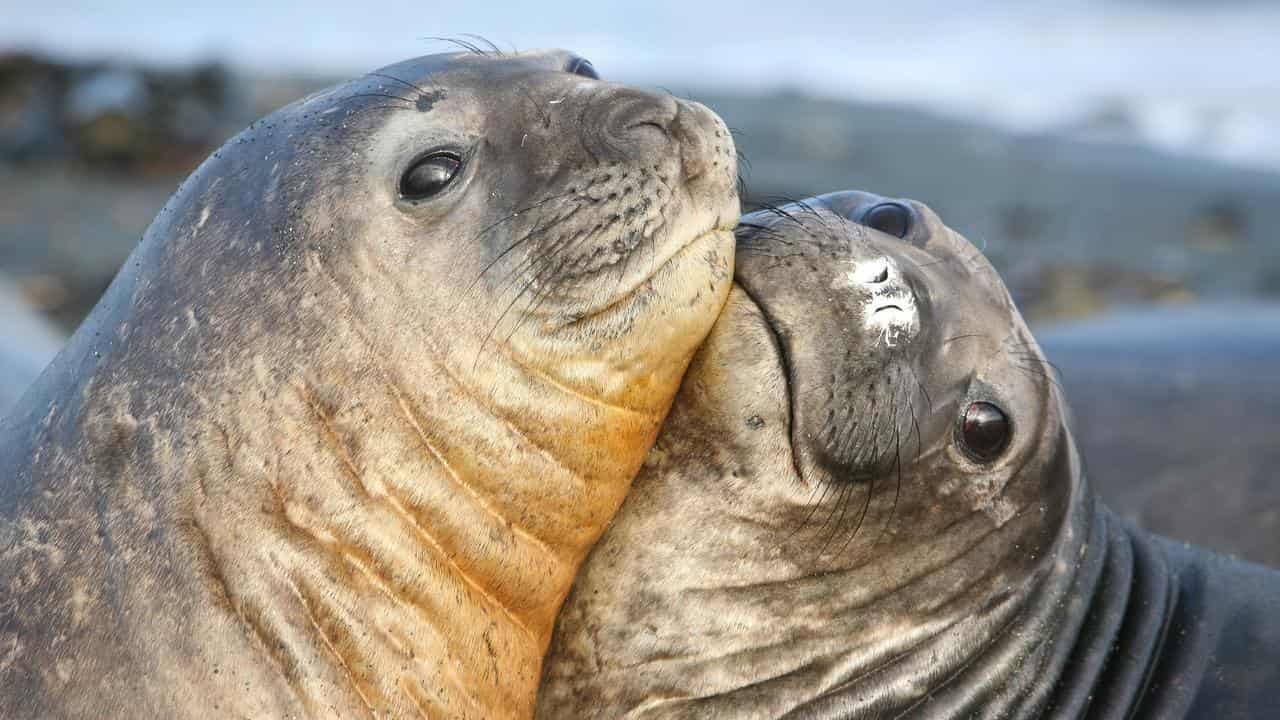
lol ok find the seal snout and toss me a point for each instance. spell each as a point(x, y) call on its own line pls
point(636, 124)
point(697, 129)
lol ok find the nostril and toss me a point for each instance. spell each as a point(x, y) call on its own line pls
point(649, 125)
point(873, 272)
point(628, 123)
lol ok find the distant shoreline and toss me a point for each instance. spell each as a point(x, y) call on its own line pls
point(1074, 227)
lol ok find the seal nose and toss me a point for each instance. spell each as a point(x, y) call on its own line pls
point(873, 272)
point(633, 123)
point(628, 125)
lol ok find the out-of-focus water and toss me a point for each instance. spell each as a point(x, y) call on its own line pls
point(1194, 77)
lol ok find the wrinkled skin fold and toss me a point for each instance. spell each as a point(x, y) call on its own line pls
point(335, 441)
point(822, 531)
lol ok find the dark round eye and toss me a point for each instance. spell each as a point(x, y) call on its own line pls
point(890, 218)
point(984, 431)
point(429, 175)
point(583, 67)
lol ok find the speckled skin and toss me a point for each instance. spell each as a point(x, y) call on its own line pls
point(322, 451)
point(809, 539)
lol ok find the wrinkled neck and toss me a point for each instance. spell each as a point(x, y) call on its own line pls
point(1082, 640)
point(751, 630)
point(984, 648)
point(424, 527)
point(962, 621)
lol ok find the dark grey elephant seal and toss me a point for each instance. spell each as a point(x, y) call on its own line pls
point(338, 436)
point(867, 503)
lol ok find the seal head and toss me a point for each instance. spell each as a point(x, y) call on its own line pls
point(337, 437)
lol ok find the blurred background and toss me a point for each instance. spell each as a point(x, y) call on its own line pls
point(1118, 160)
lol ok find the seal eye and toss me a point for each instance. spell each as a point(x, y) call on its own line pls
point(429, 175)
point(984, 432)
point(583, 67)
point(890, 218)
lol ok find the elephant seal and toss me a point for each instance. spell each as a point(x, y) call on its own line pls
point(337, 437)
point(867, 502)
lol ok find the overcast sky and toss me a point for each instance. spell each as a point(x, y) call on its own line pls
point(1025, 63)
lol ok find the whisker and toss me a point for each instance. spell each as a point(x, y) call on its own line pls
point(528, 284)
point(486, 41)
point(920, 385)
point(523, 239)
point(893, 511)
point(846, 492)
point(826, 488)
point(393, 78)
point(356, 111)
point(1033, 373)
point(468, 46)
point(537, 106)
point(961, 337)
point(381, 95)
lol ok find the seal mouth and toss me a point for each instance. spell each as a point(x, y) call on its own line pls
point(623, 295)
point(893, 320)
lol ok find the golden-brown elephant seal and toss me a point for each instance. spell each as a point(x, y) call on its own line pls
point(337, 437)
point(867, 503)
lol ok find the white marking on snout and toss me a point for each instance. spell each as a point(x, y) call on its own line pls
point(871, 272)
point(895, 317)
point(889, 310)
